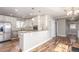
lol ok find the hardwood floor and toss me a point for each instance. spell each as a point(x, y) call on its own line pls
point(57, 44)
point(10, 46)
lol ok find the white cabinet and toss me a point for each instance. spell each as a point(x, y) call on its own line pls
point(29, 40)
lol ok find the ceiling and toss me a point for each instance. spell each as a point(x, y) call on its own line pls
point(29, 12)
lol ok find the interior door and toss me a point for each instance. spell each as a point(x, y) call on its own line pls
point(72, 32)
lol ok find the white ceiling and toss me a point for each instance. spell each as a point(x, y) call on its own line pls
point(29, 12)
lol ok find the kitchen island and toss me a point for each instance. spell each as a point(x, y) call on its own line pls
point(32, 39)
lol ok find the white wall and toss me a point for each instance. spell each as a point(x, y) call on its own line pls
point(61, 27)
point(52, 27)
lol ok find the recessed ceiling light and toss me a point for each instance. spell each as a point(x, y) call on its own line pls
point(32, 19)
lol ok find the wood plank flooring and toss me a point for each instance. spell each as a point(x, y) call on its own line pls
point(57, 44)
point(10, 46)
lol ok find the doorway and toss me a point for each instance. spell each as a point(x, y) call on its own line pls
point(72, 31)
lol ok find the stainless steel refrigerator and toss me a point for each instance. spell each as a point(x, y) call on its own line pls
point(5, 31)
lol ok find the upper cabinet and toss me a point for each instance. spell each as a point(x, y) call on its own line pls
point(41, 22)
point(37, 23)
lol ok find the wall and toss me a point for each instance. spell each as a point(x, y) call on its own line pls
point(51, 27)
point(61, 27)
